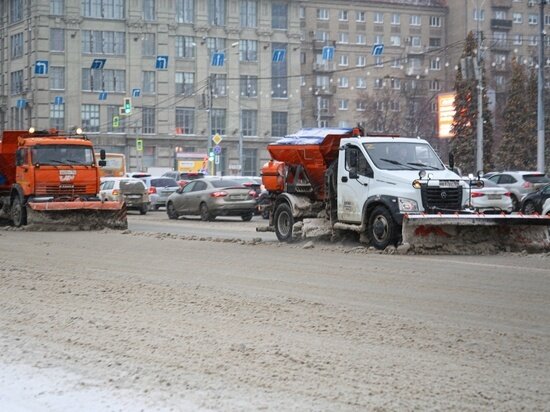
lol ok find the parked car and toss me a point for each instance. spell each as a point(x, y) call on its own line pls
point(534, 202)
point(252, 182)
point(184, 177)
point(159, 189)
point(211, 197)
point(490, 198)
point(125, 189)
point(519, 184)
point(546, 207)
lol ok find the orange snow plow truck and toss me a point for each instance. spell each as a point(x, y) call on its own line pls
point(50, 180)
point(387, 189)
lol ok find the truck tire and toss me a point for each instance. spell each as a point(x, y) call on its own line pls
point(283, 222)
point(18, 212)
point(382, 229)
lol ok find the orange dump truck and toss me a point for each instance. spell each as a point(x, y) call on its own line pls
point(51, 180)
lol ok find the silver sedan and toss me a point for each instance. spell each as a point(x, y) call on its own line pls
point(212, 197)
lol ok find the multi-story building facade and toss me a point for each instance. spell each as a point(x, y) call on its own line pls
point(193, 69)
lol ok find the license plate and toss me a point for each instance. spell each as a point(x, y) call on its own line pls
point(237, 197)
point(133, 196)
point(493, 196)
point(448, 183)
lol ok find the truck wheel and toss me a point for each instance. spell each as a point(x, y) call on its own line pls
point(171, 211)
point(283, 223)
point(18, 212)
point(382, 230)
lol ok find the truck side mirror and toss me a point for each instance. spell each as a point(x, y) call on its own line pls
point(102, 154)
point(451, 161)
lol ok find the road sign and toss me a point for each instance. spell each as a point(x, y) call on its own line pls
point(377, 49)
point(99, 64)
point(218, 59)
point(103, 96)
point(136, 92)
point(161, 63)
point(139, 145)
point(41, 67)
point(328, 53)
point(279, 55)
point(21, 103)
point(217, 139)
point(217, 149)
point(217, 159)
point(58, 100)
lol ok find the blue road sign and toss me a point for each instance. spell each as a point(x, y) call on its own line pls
point(279, 55)
point(58, 100)
point(217, 149)
point(41, 67)
point(21, 103)
point(98, 63)
point(377, 49)
point(328, 53)
point(102, 95)
point(136, 92)
point(161, 63)
point(218, 59)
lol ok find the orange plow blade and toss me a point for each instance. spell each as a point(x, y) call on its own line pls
point(76, 215)
point(476, 234)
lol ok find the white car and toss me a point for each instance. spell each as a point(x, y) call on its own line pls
point(124, 189)
point(546, 207)
point(490, 198)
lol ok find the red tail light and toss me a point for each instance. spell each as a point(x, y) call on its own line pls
point(509, 194)
point(252, 193)
point(152, 190)
point(477, 194)
point(527, 185)
point(218, 194)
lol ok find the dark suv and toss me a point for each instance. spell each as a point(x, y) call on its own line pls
point(534, 202)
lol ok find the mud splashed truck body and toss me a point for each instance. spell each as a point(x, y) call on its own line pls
point(388, 189)
point(50, 180)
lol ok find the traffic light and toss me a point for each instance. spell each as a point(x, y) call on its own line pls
point(116, 121)
point(127, 104)
point(211, 155)
point(139, 145)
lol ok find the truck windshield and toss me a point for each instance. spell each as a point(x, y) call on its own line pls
point(62, 155)
point(394, 155)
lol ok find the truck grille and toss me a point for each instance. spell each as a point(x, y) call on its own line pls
point(57, 190)
point(435, 199)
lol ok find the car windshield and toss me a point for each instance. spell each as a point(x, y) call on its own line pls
point(163, 182)
point(62, 155)
point(398, 155)
point(220, 183)
point(539, 178)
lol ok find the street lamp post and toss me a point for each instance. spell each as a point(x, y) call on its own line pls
point(540, 90)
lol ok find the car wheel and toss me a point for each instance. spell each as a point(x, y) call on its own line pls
point(206, 216)
point(247, 217)
point(382, 229)
point(529, 208)
point(171, 211)
point(284, 221)
point(143, 210)
point(18, 212)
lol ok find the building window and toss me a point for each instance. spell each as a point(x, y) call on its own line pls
point(343, 82)
point(219, 85)
point(249, 122)
point(322, 14)
point(249, 86)
point(107, 80)
point(279, 73)
point(435, 64)
point(103, 42)
point(435, 42)
point(533, 19)
point(216, 12)
point(248, 50)
point(90, 118)
point(360, 83)
point(218, 121)
point(185, 120)
point(16, 82)
point(249, 12)
point(148, 45)
point(500, 14)
point(16, 11)
point(148, 119)
point(343, 15)
point(16, 118)
point(378, 83)
point(395, 19)
point(395, 84)
point(360, 16)
point(378, 17)
point(479, 14)
point(103, 9)
point(396, 63)
point(279, 124)
point(56, 75)
point(361, 105)
point(360, 39)
point(279, 15)
point(343, 60)
point(112, 112)
point(395, 41)
point(435, 21)
point(149, 82)
point(434, 85)
point(518, 39)
point(57, 40)
point(185, 11)
point(57, 7)
point(343, 37)
point(213, 44)
point(302, 12)
point(361, 61)
point(395, 106)
point(379, 39)
point(185, 83)
point(57, 116)
point(517, 18)
point(415, 20)
point(343, 104)
point(16, 46)
point(250, 160)
point(415, 41)
point(378, 61)
point(185, 47)
point(149, 10)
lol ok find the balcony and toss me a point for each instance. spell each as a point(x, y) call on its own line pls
point(324, 113)
point(324, 90)
point(502, 4)
point(415, 71)
point(501, 45)
point(500, 24)
point(324, 67)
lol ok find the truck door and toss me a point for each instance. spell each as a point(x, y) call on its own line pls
point(354, 177)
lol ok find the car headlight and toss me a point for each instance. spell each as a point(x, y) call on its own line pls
point(407, 205)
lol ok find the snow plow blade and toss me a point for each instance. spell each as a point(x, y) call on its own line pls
point(77, 215)
point(476, 234)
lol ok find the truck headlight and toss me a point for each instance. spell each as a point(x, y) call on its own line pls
point(407, 205)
